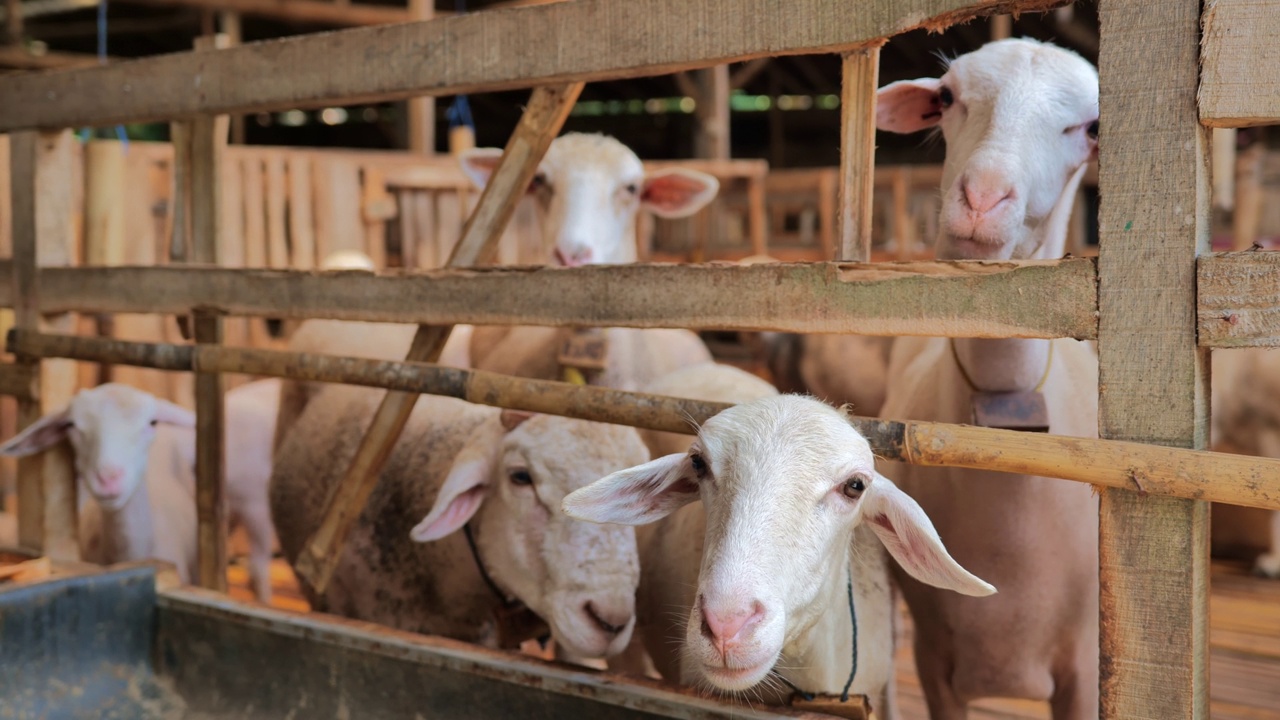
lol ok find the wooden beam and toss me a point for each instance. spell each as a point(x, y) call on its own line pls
point(858, 152)
point(421, 115)
point(1055, 298)
point(41, 179)
point(20, 58)
point(1153, 380)
point(1238, 53)
point(542, 119)
point(478, 52)
point(1239, 300)
point(1158, 470)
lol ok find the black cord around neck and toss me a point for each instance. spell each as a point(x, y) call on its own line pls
point(853, 670)
point(484, 574)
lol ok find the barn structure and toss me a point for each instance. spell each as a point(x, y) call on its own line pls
point(174, 245)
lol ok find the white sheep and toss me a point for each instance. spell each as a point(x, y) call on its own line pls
point(460, 468)
point(749, 591)
point(1020, 122)
point(135, 457)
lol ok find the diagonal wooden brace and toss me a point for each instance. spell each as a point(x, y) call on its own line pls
point(545, 115)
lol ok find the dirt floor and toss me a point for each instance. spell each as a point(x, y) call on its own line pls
point(1244, 634)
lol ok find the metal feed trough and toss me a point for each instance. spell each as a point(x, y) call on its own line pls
point(116, 645)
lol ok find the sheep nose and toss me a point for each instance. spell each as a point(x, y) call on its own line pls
point(573, 256)
point(110, 477)
point(982, 195)
point(723, 626)
point(610, 621)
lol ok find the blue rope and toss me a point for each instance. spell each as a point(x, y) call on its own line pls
point(459, 113)
point(853, 670)
point(102, 60)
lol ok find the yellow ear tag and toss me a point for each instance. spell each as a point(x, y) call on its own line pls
point(574, 376)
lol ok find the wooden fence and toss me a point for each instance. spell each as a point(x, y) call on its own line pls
point(1155, 299)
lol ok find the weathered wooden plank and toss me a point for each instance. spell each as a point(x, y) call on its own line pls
point(1153, 380)
point(277, 244)
point(1158, 470)
point(211, 555)
point(302, 241)
point(1239, 54)
point(478, 52)
point(1239, 300)
point(541, 121)
point(41, 183)
point(857, 152)
point(255, 212)
point(1054, 298)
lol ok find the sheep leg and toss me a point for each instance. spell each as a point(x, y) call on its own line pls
point(1268, 564)
point(935, 680)
point(257, 524)
point(1074, 698)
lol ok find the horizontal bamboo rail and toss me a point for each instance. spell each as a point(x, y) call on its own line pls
point(1043, 299)
point(1151, 469)
point(587, 40)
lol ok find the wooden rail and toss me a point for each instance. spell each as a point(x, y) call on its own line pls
point(1148, 469)
point(1239, 86)
point(1044, 299)
point(571, 41)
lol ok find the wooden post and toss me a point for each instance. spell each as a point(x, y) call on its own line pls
point(1001, 27)
point(13, 23)
point(1153, 380)
point(40, 187)
point(208, 150)
point(548, 108)
point(229, 20)
point(421, 111)
point(858, 152)
point(711, 140)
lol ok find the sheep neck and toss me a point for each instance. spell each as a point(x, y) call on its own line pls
point(129, 533)
point(821, 653)
point(1011, 364)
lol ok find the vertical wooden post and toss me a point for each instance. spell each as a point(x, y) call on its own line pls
point(1154, 381)
point(712, 139)
point(40, 187)
point(421, 111)
point(12, 23)
point(858, 152)
point(229, 20)
point(208, 150)
point(1001, 27)
point(545, 114)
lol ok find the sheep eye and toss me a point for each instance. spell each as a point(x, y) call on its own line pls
point(154, 423)
point(632, 189)
point(1092, 130)
point(945, 98)
point(520, 476)
point(699, 464)
point(854, 487)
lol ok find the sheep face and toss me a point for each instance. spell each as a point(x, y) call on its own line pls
point(589, 189)
point(1020, 119)
point(512, 476)
point(111, 428)
point(783, 481)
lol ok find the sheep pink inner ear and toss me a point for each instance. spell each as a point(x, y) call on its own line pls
point(910, 538)
point(39, 435)
point(511, 419)
point(459, 499)
point(636, 496)
point(478, 164)
point(676, 192)
point(907, 106)
point(172, 414)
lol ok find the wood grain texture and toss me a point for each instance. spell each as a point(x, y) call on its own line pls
point(1156, 469)
point(857, 152)
point(478, 52)
point(1153, 380)
point(541, 121)
point(211, 514)
point(41, 182)
point(1239, 86)
point(1054, 298)
point(1239, 300)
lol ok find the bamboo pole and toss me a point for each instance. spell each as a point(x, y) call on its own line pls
point(1147, 469)
point(858, 152)
point(547, 110)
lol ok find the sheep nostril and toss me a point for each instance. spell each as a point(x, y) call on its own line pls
point(608, 625)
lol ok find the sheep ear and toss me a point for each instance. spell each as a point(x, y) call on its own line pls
point(910, 537)
point(479, 163)
point(173, 414)
point(907, 106)
point(638, 495)
point(677, 193)
point(511, 419)
point(39, 435)
point(459, 499)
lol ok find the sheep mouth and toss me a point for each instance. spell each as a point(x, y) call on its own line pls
point(735, 679)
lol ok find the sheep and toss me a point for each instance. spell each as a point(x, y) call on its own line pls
point(378, 341)
point(1246, 384)
point(497, 475)
point(703, 381)
point(1020, 122)
point(135, 456)
point(590, 190)
point(758, 580)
